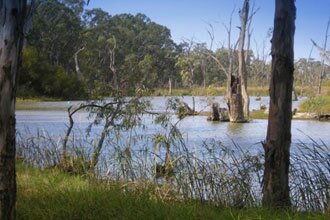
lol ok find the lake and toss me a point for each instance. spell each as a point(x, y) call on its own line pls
point(52, 117)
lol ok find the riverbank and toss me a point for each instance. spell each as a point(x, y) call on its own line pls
point(252, 90)
point(313, 108)
point(51, 194)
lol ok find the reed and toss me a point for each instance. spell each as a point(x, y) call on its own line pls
point(224, 176)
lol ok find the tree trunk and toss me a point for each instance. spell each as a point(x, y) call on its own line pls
point(241, 59)
point(170, 86)
point(98, 148)
point(277, 144)
point(235, 101)
point(234, 97)
point(78, 71)
point(11, 40)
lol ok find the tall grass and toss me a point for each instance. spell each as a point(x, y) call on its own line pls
point(224, 176)
point(52, 194)
point(319, 105)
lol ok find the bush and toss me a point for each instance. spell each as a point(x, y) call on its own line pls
point(41, 78)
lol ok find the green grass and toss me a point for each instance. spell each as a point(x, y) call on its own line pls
point(208, 91)
point(36, 99)
point(50, 194)
point(318, 105)
point(258, 114)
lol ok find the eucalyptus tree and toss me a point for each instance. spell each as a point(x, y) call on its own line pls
point(325, 56)
point(77, 6)
point(12, 21)
point(56, 33)
point(141, 52)
point(242, 58)
point(236, 89)
point(186, 63)
point(49, 54)
point(277, 145)
point(15, 17)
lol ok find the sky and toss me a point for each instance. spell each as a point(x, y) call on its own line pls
point(190, 19)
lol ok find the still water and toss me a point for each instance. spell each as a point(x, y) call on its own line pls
point(51, 117)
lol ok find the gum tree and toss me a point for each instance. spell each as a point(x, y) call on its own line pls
point(12, 17)
point(278, 140)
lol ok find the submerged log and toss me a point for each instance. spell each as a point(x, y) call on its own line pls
point(184, 109)
point(324, 117)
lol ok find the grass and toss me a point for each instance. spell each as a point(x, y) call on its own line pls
point(258, 114)
point(36, 99)
point(318, 105)
point(50, 194)
point(208, 91)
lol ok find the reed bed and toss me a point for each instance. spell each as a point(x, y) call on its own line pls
point(212, 173)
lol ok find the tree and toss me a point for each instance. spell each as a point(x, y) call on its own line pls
point(325, 58)
point(56, 33)
point(236, 93)
point(242, 70)
point(135, 46)
point(237, 96)
point(12, 18)
point(278, 140)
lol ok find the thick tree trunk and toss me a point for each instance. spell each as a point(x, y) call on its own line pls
point(277, 144)
point(241, 59)
point(11, 39)
point(235, 101)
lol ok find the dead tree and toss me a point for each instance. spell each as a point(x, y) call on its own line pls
point(324, 56)
point(242, 72)
point(236, 93)
point(278, 140)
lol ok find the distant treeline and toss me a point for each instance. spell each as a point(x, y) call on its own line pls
point(78, 53)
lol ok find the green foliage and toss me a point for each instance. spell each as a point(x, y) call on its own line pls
point(119, 54)
point(143, 52)
point(40, 77)
point(56, 33)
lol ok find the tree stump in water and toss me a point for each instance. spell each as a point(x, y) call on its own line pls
point(224, 114)
point(215, 113)
point(218, 114)
point(184, 109)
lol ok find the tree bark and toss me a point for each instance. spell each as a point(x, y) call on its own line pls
point(11, 40)
point(235, 101)
point(277, 144)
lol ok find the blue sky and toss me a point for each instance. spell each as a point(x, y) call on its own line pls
point(189, 19)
